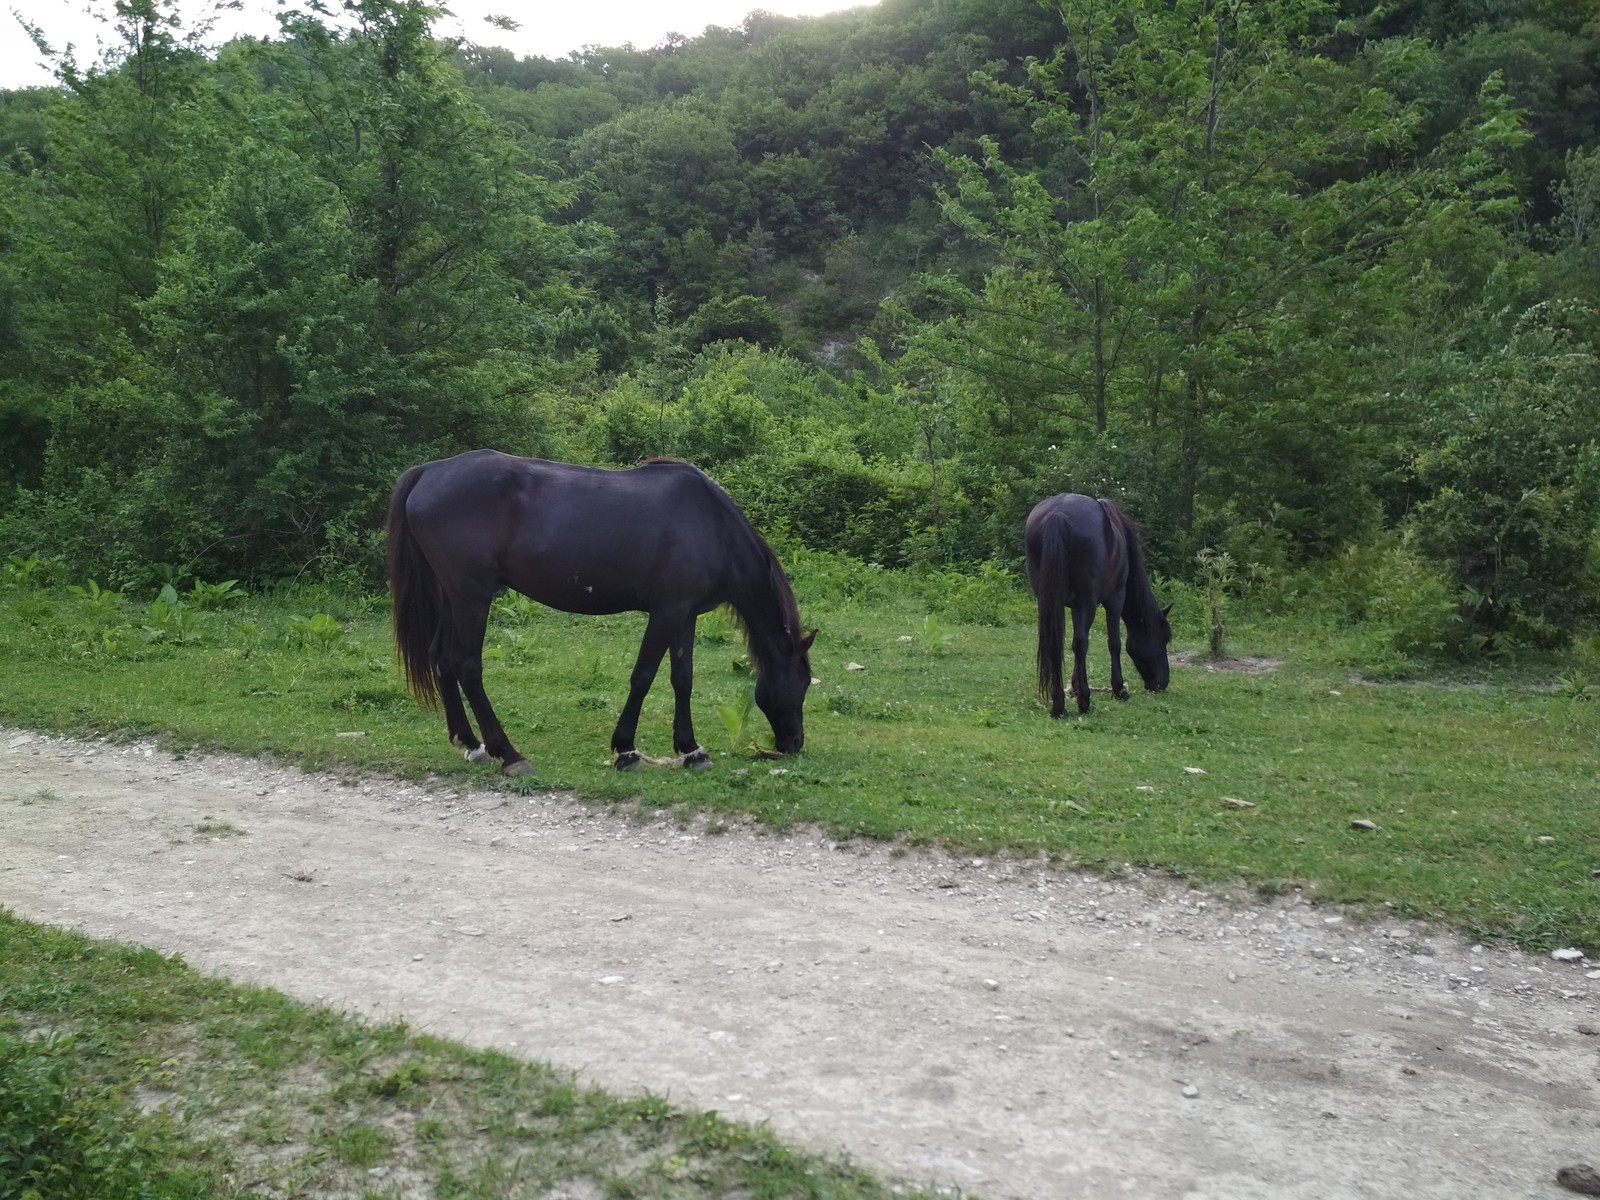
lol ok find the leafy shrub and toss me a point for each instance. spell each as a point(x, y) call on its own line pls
point(743, 318)
point(66, 1138)
point(213, 595)
point(316, 632)
point(989, 594)
point(29, 571)
point(1406, 604)
point(831, 501)
point(828, 579)
point(96, 601)
point(170, 620)
point(1512, 487)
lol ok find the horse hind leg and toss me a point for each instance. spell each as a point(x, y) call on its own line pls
point(1082, 622)
point(456, 724)
point(1051, 648)
point(456, 721)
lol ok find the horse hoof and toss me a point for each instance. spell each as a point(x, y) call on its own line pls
point(517, 766)
point(629, 760)
point(1122, 695)
point(477, 754)
point(697, 760)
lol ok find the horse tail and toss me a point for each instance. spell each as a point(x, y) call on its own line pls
point(1047, 571)
point(414, 591)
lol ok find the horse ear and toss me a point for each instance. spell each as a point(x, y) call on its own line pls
point(805, 642)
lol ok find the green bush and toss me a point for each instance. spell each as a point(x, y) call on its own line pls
point(1511, 489)
point(988, 594)
point(1406, 604)
point(831, 501)
point(64, 1137)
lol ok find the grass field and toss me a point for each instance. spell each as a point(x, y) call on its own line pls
point(125, 1074)
point(1484, 788)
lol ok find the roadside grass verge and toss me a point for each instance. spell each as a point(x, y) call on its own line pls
point(1484, 786)
point(125, 1075)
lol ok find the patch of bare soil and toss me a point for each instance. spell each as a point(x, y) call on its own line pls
point(995, 1025)
point(1247, 664)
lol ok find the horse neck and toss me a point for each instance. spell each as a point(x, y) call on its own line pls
point(1138, 599)
point(765, 607)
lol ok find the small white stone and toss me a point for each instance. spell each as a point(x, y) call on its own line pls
point(1567, 954)
point(1190, 1092)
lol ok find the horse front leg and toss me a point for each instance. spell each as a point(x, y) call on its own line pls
point(658, 632)
point(1119, 688)
point(691, 753)
point(465, 664)
point(1082, 622)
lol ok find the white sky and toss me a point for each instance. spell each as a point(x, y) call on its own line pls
point(549, 29)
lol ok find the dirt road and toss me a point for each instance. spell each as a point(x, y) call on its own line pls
point(998, 1026)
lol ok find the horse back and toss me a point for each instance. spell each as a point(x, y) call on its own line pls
point(581, 539)
point(1075, 550)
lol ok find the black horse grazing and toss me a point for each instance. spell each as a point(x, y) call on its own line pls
point(1083, 553)
point(661, 538)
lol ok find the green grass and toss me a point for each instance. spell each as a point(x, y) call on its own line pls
point(124, 1075)
point(1485, 789)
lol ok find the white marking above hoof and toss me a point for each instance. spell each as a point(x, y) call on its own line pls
point(477, 755)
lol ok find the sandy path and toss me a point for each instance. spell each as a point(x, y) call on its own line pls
point(1010, 1029)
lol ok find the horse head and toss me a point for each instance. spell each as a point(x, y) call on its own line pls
point(781, 692)
point(1147, 647)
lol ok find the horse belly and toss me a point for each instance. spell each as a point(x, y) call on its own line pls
point(574, 594)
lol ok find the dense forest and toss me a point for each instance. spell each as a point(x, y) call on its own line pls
point(1299, 282)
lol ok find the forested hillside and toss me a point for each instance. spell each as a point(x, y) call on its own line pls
point(1298, 283)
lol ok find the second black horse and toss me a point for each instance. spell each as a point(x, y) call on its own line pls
point(1083, 554)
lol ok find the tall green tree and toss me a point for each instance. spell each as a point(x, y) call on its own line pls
point(1175, 264)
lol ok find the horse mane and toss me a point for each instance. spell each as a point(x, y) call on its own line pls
point(1139, 598)
point(788, 606)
